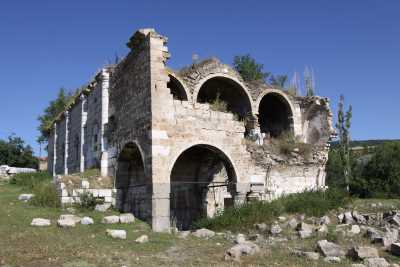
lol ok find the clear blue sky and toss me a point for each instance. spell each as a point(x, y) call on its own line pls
point(353, 47)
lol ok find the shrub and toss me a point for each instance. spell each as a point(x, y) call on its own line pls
point(29, 180)
point(219, 105)
point(88, 201)
point(45, 195)
point(311, 203)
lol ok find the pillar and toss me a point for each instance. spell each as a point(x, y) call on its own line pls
point(54, 149)
point(105, 78)
point(82, 137)
point(66, 113)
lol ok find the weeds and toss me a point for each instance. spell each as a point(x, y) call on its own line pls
point(219, 105)
point(311, 203)
point(45, 195)
point(88, 201)
point(28, 180)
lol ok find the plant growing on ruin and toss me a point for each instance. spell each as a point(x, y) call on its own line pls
point(309, 81)
point(343, 126)
point(219, 105)
point(88, 201)
point(249, 69)
point(278, 81)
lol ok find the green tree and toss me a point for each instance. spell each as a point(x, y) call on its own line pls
point(14, 152)
point(249, 69)
point(278, 80)
point(54, 108)
point(343, 126)
point(309, 81)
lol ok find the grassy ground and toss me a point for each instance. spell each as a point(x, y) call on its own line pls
point(23, 245)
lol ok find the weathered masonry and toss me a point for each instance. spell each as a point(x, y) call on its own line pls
point(184, 144)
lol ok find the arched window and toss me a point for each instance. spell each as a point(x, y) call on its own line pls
point(176, 88)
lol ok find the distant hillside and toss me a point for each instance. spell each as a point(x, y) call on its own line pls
point(362, 143)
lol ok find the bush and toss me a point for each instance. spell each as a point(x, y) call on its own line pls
point(29, 180)
point(219, 105)
point(88, 201)
point(45, 195)
point(311, 203)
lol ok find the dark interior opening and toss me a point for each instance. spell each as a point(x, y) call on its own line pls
point(275, 116)
point(202, 181)
point(228, 91)
point(176, 88)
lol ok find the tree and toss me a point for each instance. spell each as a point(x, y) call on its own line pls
point(249, 69)
point(14, 152)
point(54, 108)
point(309, 81)
point(278, 80)
point(343, 127)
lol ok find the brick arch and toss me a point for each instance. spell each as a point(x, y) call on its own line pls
point(293, 111)
point(202, 181)
point(231, 78)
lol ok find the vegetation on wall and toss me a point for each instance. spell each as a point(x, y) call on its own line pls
point(249, 69)
point(14, 152)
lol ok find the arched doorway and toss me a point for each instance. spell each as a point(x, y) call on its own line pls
point(226, 90)
point(275, 115)
point(203, 182)
point(132, 187)
point(176, 88)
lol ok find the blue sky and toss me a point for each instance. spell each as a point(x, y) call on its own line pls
point(353, 47)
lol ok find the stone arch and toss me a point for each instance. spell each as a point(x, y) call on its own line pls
point(131, 182)
point(275, 113)
point(177, 88)
point(238, 100)
point(203, 181)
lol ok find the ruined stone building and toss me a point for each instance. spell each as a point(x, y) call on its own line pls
point(180, 145)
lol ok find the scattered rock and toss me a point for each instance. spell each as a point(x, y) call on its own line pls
point(275, 229)
point(25, 197)
point(292, 223)
point(306, 254)
point(376, 262)
point(245, 248)
point(126, 218)
point(357, 265)
point(323, 229)
point(332, 259)
point(110, 219)
point(340, 218)
point(355, 230)
point(329, 249)
point(240, 238)
point(360, 219)
point(281, 218)
point(87, 221)
point(66, 223)
point(102, 207)
point(324, 220)
point(71, 210)
point(142, 239)
point(305, 230)
point(183, 234)
point(261, 227)
point(360, 253)
point(348, 218)
point(40, 222)
point(204, 233)
point(118, 234)
point(395, 249)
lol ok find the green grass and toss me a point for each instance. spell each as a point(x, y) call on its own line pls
point(310, 203)
point(29, 180)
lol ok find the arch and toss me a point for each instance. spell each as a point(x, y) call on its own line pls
point(238, 100)
point(275, 113)
point(203, 181)
point(177, 88)
point(131, 182)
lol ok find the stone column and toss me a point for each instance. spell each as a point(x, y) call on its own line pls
point(83, 125)
point(66, 113)
point(54, 149)
point(161, 207)
point(104, 120)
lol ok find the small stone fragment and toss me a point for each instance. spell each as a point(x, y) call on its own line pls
point(332, 259)
point(142, 239)
point(40, 222)
point(360, 253)
point(245, 248)
point(110, 219)
point(102, 207)
point(204, 233)
point(66, 223)
point(25, 197)
point(240, 238)
point(87, 221)
point(275, 229)
point(329, 249)
point(376, 262)
point(261, 227)
point(126, 218)
point(117, 234)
